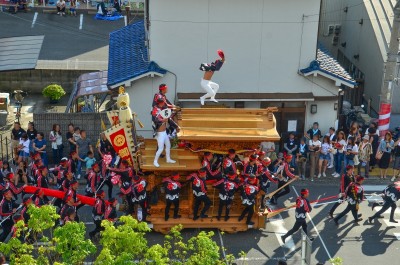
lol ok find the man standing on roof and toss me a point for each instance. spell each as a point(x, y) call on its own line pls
point(210, 87)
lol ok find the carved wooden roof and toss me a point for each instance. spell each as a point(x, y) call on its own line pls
point(225, 124)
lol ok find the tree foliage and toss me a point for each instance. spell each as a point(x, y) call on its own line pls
point(39, 242)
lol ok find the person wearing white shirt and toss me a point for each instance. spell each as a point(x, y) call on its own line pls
point(56, 143)
point(61, 7)
point(23, 148)
point(314, 148)
point(324, 156)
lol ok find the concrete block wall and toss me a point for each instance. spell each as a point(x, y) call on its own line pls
point(33, 81)
point(90, 122)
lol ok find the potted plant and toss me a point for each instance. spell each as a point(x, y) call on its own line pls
point(53, 92)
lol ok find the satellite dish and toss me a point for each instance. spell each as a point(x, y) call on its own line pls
point(166, 113)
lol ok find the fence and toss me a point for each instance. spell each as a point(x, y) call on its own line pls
point(90, 122)
point(5, 147)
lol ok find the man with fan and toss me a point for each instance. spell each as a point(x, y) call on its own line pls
point(160, 121)
point(210, 87)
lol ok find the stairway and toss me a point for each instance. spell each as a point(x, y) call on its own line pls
point(185, 159)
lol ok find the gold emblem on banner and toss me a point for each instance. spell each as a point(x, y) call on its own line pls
point(119, 140)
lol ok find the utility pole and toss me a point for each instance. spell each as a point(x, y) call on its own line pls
point(391, 74)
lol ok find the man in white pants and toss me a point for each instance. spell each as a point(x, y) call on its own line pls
point(210, 87)
point(160, 127)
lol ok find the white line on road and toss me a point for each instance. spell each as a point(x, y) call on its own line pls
point(80, 21)
point(374, 187)
point(34, 19)
point(279, 229)
point(316, 230)
point(222, 244)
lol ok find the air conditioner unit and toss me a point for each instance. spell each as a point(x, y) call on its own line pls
point(335, 40)
point(337, 29)
point(331, 28)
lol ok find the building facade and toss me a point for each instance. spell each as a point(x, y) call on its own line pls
point(357, 33)
point(272, 59)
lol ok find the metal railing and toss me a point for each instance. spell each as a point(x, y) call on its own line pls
point(5, 147)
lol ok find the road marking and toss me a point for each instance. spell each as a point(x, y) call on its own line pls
point(316, 230)
point(34, 19)
point(374, 187)
point(80, 21)
point(279, 229)
point(126, 21)
point(397, 235)
point(222, 244)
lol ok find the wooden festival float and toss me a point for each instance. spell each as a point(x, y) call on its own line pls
point(201, 129)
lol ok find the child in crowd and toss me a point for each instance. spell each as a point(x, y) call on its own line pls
point(77, 134)
point(89, 160)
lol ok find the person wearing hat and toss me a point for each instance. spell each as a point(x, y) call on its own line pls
point(249, 196)
point(354, 195)
point(172, 188)
point(346, 179)
point(227, 188)
point(139, 186)
point(15, 232)
point(8, 207)
point(160, 131)
point(70, 216)
point(69, 205)
point(303, 207)
point(9, 184)
point(208, 86)
point(391, 194)
point(162, 92)
point(206, 163)
point(199, 188)
point(98, 211)
point(229, 163)
point(71, 194)
point(26, 202)
point(39, 199)
point(250, 168)
point(42, 181)
point(110, 213)
point(364, 155)
point(265, 177)
point(35, 168)
point(291, 147)
point(283, 174)
point(93, 180)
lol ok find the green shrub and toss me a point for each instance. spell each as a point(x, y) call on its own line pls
point(54, 92)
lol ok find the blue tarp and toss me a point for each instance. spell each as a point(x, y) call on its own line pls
point(114, 17)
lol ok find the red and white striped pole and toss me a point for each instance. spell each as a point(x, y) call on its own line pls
point(384, 118)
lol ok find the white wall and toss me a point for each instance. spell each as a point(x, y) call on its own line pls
point(325, 116)
point(265, 42)
point(360, 39)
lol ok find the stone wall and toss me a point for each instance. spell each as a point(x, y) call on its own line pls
point(33, 81)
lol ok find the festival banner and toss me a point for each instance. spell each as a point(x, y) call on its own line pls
point(113, 117)
point(121, 140)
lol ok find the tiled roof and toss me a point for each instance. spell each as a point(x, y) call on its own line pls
point(325, 63)
point(128, 55)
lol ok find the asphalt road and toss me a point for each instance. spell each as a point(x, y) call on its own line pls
point(357, 244)
point(63, 36)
